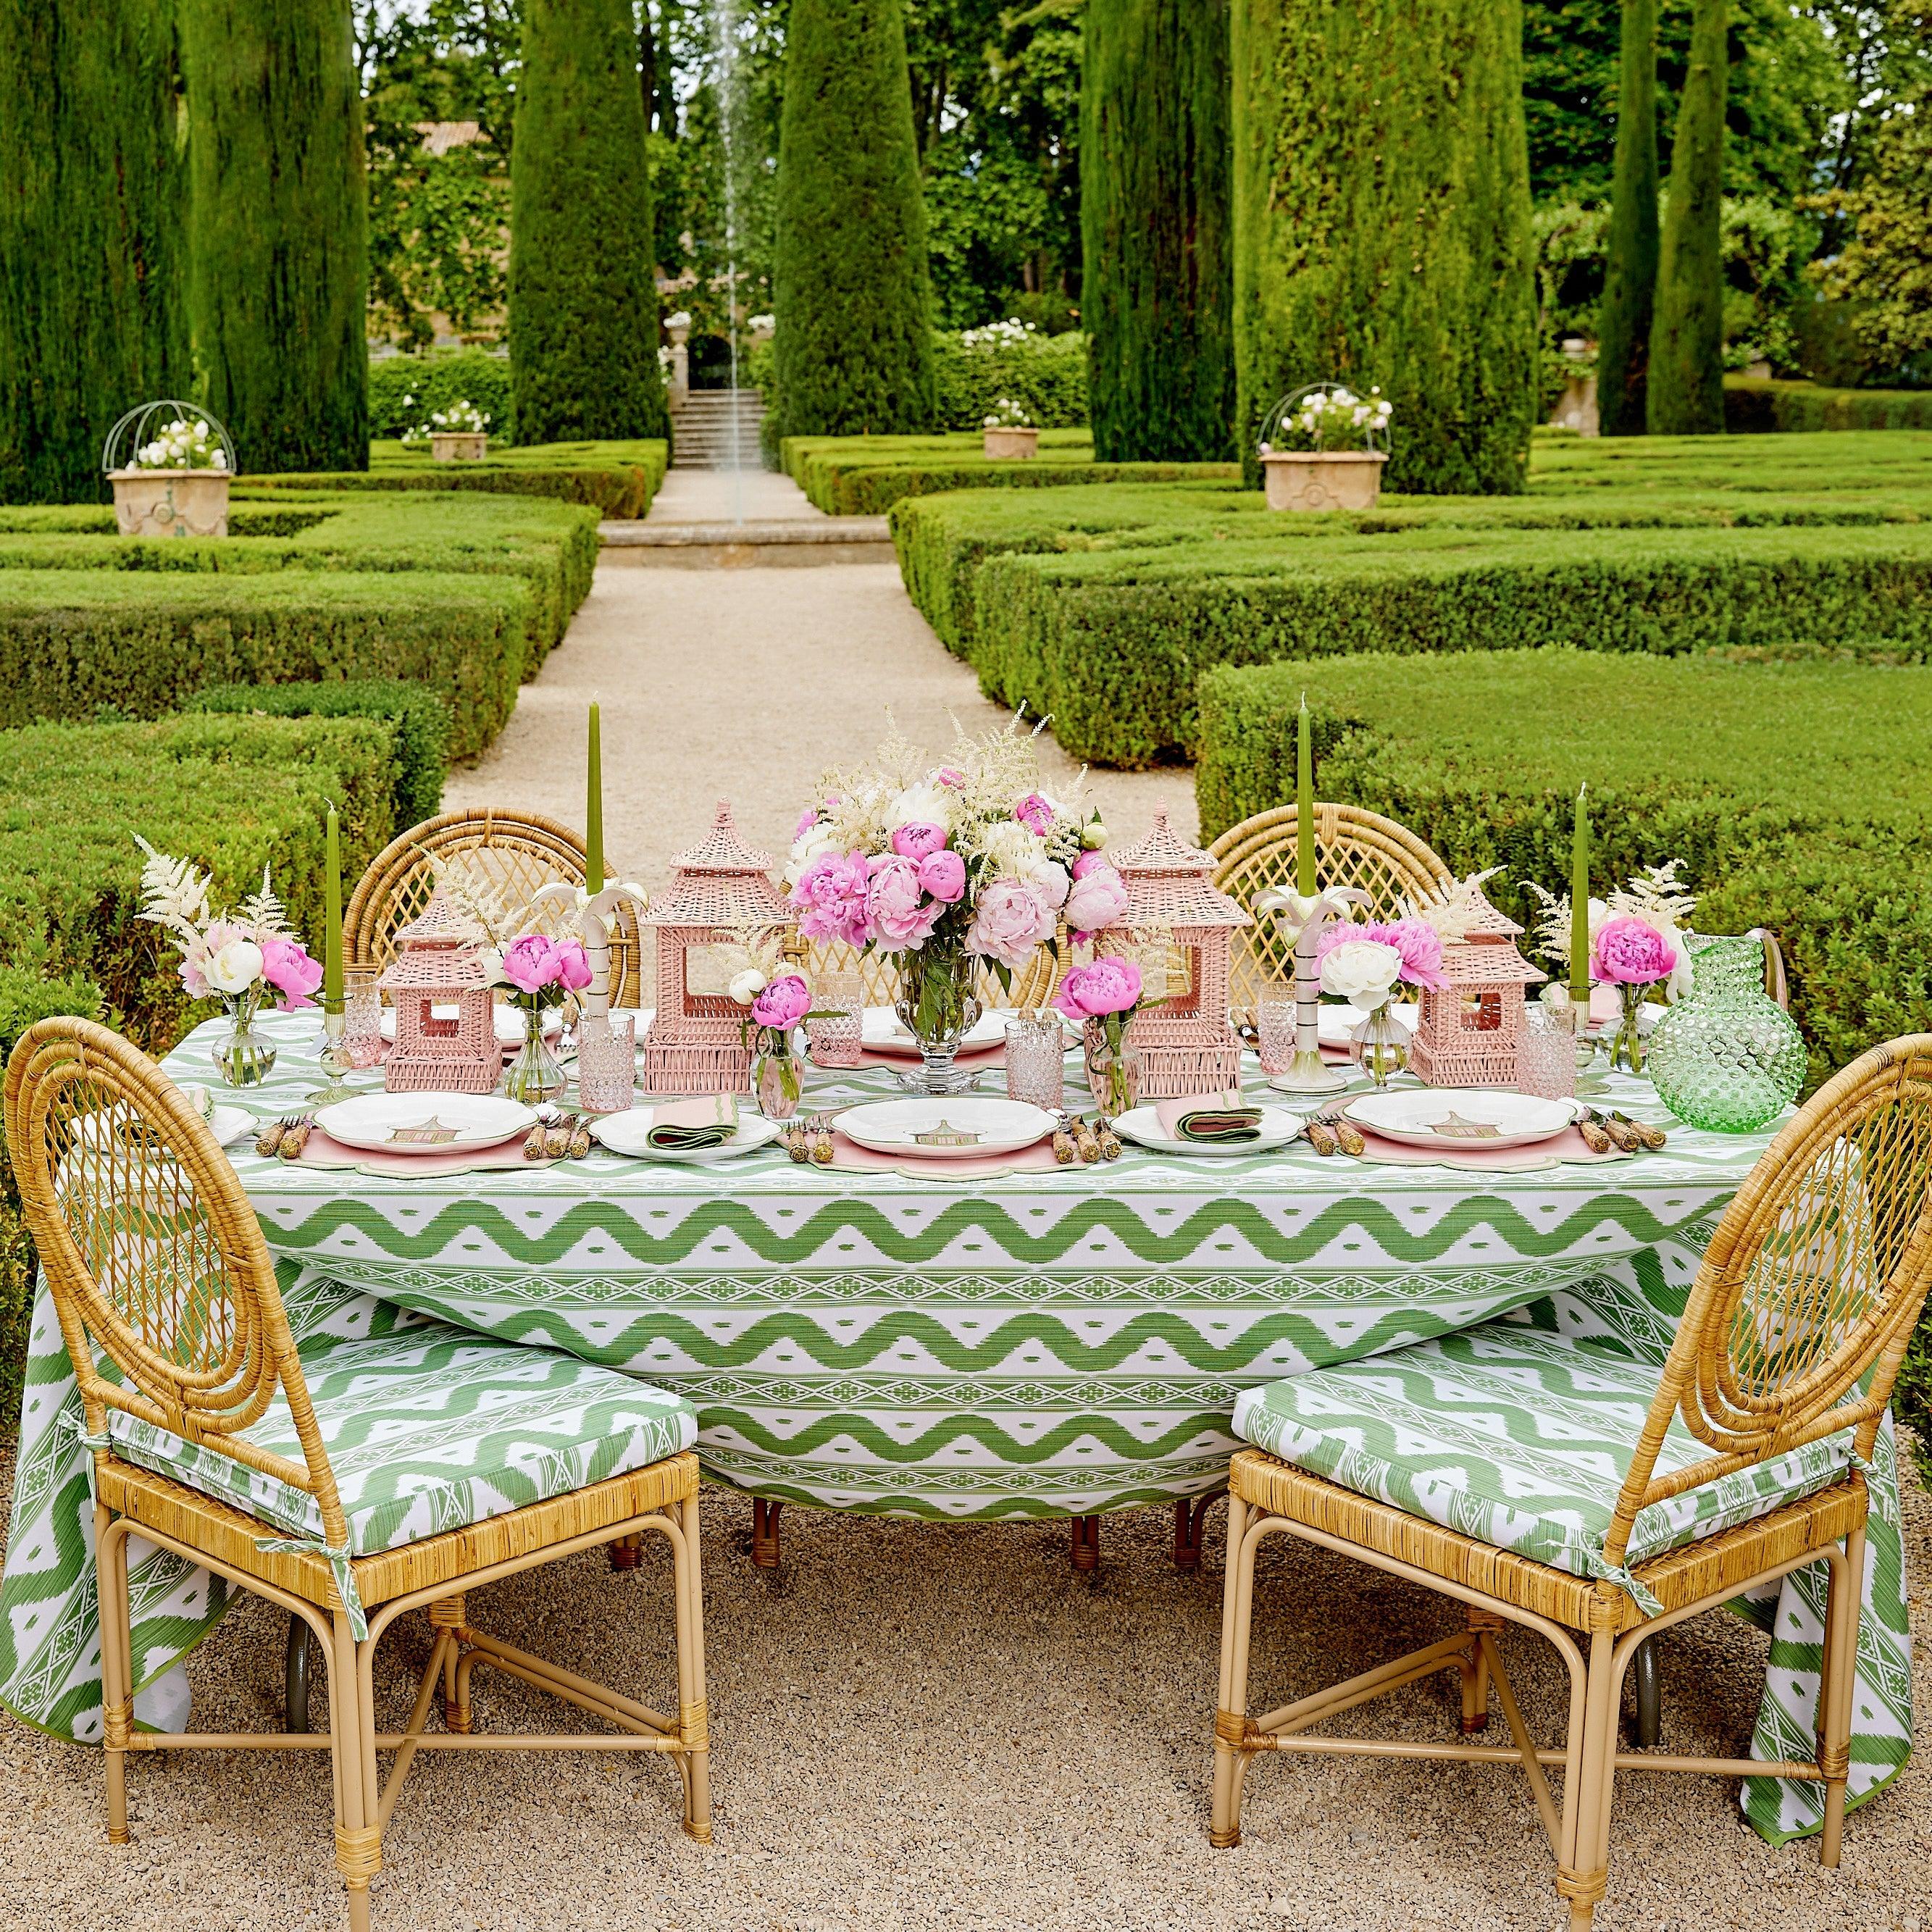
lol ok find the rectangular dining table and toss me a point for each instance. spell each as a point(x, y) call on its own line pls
point(1061, 1343)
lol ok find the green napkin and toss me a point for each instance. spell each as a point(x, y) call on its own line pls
point(706, 1123)
point(1221, 1119)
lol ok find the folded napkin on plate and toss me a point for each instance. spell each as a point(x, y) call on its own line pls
point(1218, 1118)
point(706, 1123)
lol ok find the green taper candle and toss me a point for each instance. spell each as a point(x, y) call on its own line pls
point(1304, 806)
point(593, 811)
point(331, 914)
point(1580, 902)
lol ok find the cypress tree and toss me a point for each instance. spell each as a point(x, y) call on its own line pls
point(852, 293)
point(1382, 226)
point(1157, 291)
point(1686, 338)
point(583, 304)
point(1630, 275)
point(92, 307)
point(279, 224)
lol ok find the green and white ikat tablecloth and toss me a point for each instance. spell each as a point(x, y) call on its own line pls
point(1061, 1343)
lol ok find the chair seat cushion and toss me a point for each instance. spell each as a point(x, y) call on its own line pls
point(432, 1429)
point(1519, 1439)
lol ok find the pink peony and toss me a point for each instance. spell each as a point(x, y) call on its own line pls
point(287, 968)
point(919, 840)
point(943, 875)
point(901, 917)
point(830, 896)
point(1631, 952)
point(1035, 814)
point(782, 1004)
point(1010, 920)
point(1099, 897)
point(1416, 939)
point(573, 968)
point(530, 964)
point(1108, 986)
point(807, 819)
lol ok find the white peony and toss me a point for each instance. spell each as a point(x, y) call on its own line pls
point(235, 968)
point(926, 804)
point(1012, 849)
point(748, 985)
point(1362, 971)
point(806, 848)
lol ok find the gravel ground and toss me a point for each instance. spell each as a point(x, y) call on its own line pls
point(920, 1726)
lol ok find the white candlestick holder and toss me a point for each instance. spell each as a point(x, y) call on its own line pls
point(1307, 915)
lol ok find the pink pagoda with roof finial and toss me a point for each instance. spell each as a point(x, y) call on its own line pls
point(1467, 1033)
point(1187, 1043)
point(439, 963)
point(695, 1043)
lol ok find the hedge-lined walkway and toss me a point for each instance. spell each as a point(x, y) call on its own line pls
point(749, 683)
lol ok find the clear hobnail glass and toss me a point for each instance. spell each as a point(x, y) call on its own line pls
point(607, 1064)
point(1546, 1055)
point(836, 1039)
point(1274, 1026)
point(1036, 1060)
point(362, 1017)
point(1727, 1057)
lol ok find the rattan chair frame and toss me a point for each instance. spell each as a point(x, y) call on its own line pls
point(156, 1263)
point(1844, 1309)
point(1353, 847)
point(393, 890)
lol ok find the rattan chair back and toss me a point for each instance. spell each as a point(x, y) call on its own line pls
point(517, 852)
point(151, 1252)
point(1799, 1316)
point(1352, 847)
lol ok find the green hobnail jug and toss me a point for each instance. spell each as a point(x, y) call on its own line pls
point(1727, 1057)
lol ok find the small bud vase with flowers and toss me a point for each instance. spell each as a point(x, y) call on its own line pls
point(1102, 998)
point(1364, 964)
point(537, 972)
point(776, 1003)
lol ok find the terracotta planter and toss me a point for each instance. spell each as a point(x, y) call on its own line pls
point(459, 446)
point(1002, 446)
point(170, 502)
point(1300, 479)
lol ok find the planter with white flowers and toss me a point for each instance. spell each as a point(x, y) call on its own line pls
point(1323, 448)
point(1010, 433)
point(169, 463)
point(458, 434)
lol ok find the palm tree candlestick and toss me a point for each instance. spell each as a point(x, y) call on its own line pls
point(1305, 915)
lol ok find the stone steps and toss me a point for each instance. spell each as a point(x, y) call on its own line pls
point(717, 429)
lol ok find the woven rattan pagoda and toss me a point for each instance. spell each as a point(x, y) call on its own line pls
point(695, 1043)
point(438, 963)
point(1187, 1043)
point(1468, 1033)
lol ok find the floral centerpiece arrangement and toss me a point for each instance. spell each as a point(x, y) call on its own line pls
point(1363, 963)
point(238, 958)
point(537, 973)
point(181, 444)
point(943, 867)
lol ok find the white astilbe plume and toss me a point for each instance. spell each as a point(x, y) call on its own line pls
point(1658, 895)
point(263, 913)
point(1551, 929)
point(1453, 912)
point(479, 899)
point(174, 894)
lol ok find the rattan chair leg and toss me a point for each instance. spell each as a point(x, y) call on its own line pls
point(117, 1671)
point(1231, 1707)
point(1582, 1883)
point(693, 1721)
point(358, 1838)
point(1476, 1673)
point(1837, 1680)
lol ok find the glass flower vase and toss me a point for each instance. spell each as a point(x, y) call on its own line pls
point(244, 1058)
point(776, 1076)
point(937, 1006)
point(1113, 1068)
point(1379, 1046)
point(535, 1077)
point(1628, 1047)
point(1728, 1056)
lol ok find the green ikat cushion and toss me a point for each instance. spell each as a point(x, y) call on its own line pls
point(430, 1430)
point(1519, 1439)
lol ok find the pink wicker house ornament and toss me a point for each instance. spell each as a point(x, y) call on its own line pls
point(1468, 1033)
point(438, 964)
point(1187, 1043)
point(694, 1044)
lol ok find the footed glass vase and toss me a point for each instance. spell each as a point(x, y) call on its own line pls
point(535, 1077)
point(1728, 1057)
point(244, 1058)
point(937, 1006)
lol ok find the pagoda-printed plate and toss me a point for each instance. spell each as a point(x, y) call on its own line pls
point(425, 1123)
point(938, 1128)
point(1462, 1117)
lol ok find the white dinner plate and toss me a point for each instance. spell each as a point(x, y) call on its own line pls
point(228, 1124)
point(1142, 1125)
point(881, 1033)
point(449, 1122)
point(1338, 1024)
point(1462, 1117)
point(627, 1133)
point(509, 1020)
point(997, 1126)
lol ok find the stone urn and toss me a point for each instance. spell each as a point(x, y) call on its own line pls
point(1005, 446)
point(1305, 479)
point(459, 446)
point(170, 502)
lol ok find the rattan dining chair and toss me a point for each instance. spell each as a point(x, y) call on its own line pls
point(518, 852)
point(1739, 1458)
point(350, 1480)
point(1352, 847)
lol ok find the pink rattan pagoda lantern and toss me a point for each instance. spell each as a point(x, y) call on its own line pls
point(1187, 1044)
point(438, 963)
point(695, 1043)
point(1467, 1034)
